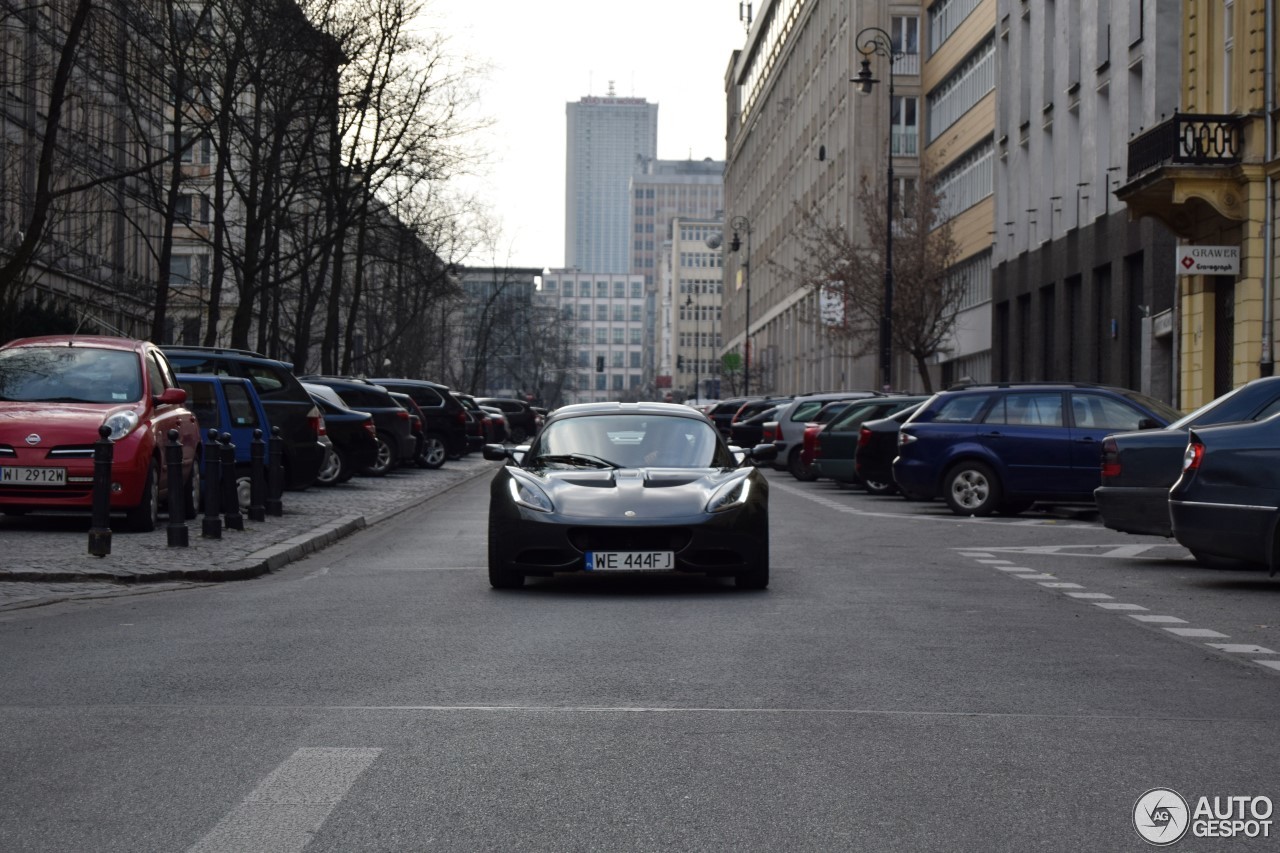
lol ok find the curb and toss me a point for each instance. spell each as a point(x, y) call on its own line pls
point(254, 565)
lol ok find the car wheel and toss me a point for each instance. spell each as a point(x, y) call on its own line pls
point(877, 487)
point(194, 499)
point(385, 459)
point(330, 472)
point(971, 488)
point(802, 472)
point(757, 575)
point(145, 517)
point(501, 577)
point(433, 453)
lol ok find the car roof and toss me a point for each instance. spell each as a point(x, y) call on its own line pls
point(94, 341)
point(213, 377)
point(241, 354)
point(423, 382)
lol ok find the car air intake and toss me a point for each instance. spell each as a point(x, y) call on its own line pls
point(630, 538)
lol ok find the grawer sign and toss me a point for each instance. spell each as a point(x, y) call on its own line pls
point(1208, 260)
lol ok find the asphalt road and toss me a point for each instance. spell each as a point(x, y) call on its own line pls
point(910, 681)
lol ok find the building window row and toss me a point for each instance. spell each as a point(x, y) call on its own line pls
point(945, 17)
point(621, 289)
point(968, 84)
point(702, 286)
point(976, 274)
point(968, 181)
point(701, 260)
point(782, 20)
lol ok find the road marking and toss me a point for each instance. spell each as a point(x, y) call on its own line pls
point(995, 562)
point(1241, 648)
point(286, 811)
point(1195, 632)
point(1089, 595)
point(1166, 619)
point(951, 519)
point(1274, 664)
point(1115, 605)
point(1037, 576)
point(1128, 552)
point(976, 554)
point(1060, 585)
point(1012, 569)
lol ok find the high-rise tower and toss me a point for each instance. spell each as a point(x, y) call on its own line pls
point(608, 139)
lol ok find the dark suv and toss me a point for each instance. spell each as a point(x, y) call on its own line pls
point(396, 441)
point(446, 419)
point(1002, 447)
point(287, 403)
point(523, 422)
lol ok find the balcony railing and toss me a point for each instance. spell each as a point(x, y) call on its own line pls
point(1186, 139)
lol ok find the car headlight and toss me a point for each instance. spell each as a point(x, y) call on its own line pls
point(121, 424)
point(526, 492)
point(732, 494)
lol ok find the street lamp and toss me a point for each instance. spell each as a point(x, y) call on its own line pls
point(697, 366)
point(741, 223)
point(873, 41)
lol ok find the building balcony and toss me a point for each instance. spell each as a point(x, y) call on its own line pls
point(1186, 168)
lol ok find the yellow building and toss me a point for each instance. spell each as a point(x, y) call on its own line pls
point(1208, 173)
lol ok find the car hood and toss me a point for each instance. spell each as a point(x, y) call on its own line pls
point(56, 423)
point(648, 492)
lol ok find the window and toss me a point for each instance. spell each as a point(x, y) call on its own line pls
point(962, 89)
point(635, 290)
point(1095, 411)
point(617, 382)
point(618, 336)
point(635, 314)
point(602, 336)
point(1029, 409)
point(602, 312)
point(616, 358)
point(905, 128)
point(241, 408)
point(1228, 51)
point(619, 289)
point(619, 313)
point(568, 288)
point(634, 336)
point(635, 359)
point(961, 409)
point(602, 289)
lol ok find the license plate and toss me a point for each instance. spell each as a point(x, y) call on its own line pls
point(630, 561)
point(12, 476)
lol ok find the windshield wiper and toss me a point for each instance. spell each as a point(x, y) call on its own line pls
point(63, 400)
point(579, 459)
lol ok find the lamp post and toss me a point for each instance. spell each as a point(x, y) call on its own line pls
point(741, 223)
point(873, 41)
point(697, 367)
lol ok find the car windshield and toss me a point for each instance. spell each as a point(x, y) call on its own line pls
point(852, 415)
point(629, 441)
point(64, 374)
point(1164, 410)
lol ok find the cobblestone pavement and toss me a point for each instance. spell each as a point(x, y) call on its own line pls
point(44, 558)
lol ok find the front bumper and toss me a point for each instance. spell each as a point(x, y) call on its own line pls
point(130, 463)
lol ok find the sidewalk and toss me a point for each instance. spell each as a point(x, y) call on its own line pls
point(47, 556)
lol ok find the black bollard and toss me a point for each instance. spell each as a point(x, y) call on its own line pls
point(212, 526)
point(177, 529)
point(257, 478)
point(100, 531)
point(231, 517)
point(275, 474)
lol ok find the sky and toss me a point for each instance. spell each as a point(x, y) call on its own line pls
point(542, 55)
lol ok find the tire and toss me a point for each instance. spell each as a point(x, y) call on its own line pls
point(875, 487)
point(757, 576)
point(194, 499)
point(385, 461)
point(501, 577)
point(803, 473)
point(434, 453)
point(145, 517)
point(971, 488)
point(331, 471)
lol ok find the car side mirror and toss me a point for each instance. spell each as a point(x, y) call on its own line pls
point(171, 397)
point(496, 453)
point(764, 453)
point(1148, 423)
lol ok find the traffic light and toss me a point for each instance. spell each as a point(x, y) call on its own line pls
point(599, 364)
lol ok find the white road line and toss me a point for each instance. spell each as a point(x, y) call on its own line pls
point(1012, 569)
point(1165, 619)
point(1089, 595)
point(1126, 551)
point(1037, 576)
point(1115, 605)
point(951, 519)
point(995, 562)
point(976, 554)
point(1196, 632)
point(1274, 664)
point(1061, 585)
point(286, 811)
point(1241, 648)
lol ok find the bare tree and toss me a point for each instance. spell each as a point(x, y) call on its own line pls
point(849, 271)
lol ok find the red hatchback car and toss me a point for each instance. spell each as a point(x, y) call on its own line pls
point(56, 391)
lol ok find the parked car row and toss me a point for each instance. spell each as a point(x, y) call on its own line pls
point(56, 393)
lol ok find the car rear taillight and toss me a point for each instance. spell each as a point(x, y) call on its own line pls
point(864, 437)
point(462, 416)
point(905, 438)
point(370, 428)
point(1193, 455)
point(315, 420)
point(402, 415)
point(1110, 458)
point(323, 430)
point(770, 432)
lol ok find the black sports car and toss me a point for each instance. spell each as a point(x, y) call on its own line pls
point(608, 487)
